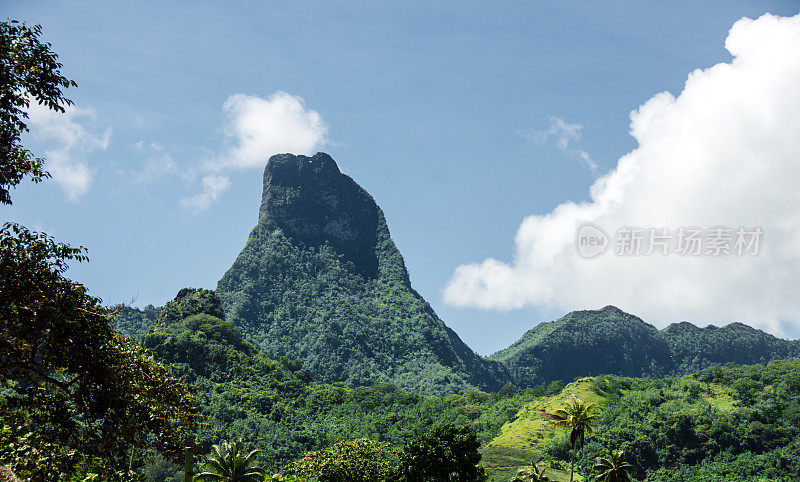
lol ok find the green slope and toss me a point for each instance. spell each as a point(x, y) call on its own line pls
point(321, 279)
point(274, 406)
point(531, 427)
point(723, 423)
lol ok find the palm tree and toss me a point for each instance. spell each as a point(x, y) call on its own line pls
point(613, 467)
point(531, 474)
point(576, 415)
point(228, 463)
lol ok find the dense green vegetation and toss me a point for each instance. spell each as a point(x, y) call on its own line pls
point(188, 302)
point(594, 342)
point(228, 462)
point(695, 348)
point(610, 341)
point(729, 422)
point(724, 423)
point(274, 406)
point(320, 279)
point(359, 460)
point(134, 322)
point(445, 453)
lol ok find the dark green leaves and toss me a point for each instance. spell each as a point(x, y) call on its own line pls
point(30, 72)
point(75, 394)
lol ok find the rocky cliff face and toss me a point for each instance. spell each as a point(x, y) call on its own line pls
point(313, 202)
point(321, 279)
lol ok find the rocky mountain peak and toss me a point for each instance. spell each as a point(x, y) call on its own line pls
point(315, 204)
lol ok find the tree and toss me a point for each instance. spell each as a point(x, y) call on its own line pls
point(532, 473)
point(613, 467)
point(445, 453)
point(578, 416)
point(75, 397)
point(31, 71)
point(228, 463)
point(187, 302)
point(360, 460)
point(76, 394)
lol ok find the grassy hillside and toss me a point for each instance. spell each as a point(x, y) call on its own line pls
point(724, 423)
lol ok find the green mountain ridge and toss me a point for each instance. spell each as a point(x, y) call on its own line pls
point(610, 341)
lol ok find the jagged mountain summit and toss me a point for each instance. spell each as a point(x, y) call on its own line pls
point(610, 341)
point(321, 279)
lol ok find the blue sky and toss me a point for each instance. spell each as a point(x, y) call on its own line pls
point(441, 111)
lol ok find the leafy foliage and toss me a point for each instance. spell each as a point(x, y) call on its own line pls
point(74, 393)
point(445, 453)
point(531, 473)
point(31, 71)
point(134, 322)
point(579, 418)
point(359, 460)
point(229, 463)
point(613, 467)
point(188, 302)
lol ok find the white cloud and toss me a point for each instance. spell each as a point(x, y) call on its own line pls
point(258, 128)
point(726, 151)
point(72, 140)
point(564, 133)
point(213, 187)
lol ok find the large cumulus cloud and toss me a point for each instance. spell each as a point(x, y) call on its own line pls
point(725, 151)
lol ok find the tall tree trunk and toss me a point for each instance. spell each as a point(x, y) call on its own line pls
point(572, 465)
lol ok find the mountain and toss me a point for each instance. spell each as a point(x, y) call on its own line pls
point(610, 341)
point(321, 279)
point(585, 343)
